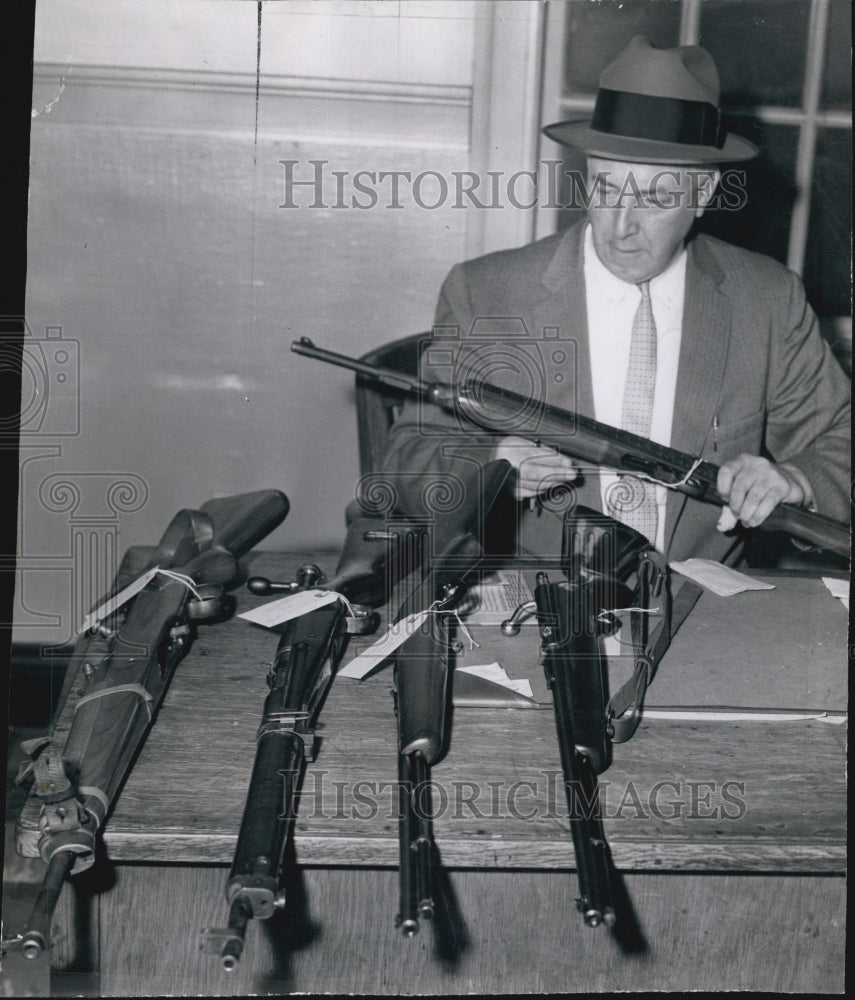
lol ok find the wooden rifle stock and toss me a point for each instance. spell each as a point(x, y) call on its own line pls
point(126, 662)
point(421, 676)
point(575, 674)
point(492, 409)
point(307, 657)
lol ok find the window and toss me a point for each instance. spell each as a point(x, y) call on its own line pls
point(785, 75)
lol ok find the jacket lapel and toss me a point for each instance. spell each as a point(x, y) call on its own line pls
point(703, 358)
point(564, 306)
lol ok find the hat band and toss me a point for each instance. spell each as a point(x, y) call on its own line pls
point(661, 119)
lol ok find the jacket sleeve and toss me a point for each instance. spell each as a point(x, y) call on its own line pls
point(430, 451)
point(808, 404)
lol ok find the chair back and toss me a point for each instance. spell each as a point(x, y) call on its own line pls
point(378, 406)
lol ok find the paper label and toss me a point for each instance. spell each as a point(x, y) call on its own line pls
point(372, 657)
point(285, 608)
point(498, 675)
point(109, 606)
point(721, 580)
point(839, 589)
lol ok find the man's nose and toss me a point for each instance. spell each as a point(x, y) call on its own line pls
point(626, 222)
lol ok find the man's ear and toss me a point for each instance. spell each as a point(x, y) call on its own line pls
point(705, 183)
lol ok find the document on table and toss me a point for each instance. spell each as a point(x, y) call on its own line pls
point(497, 594)
point(839, 589)
point(721, 580)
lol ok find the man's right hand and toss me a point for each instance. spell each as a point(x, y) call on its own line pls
point(537, 468)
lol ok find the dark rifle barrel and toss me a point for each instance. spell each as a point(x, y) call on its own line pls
point(574, 671)
point(36, 933)
point(421, 677)
point(491, 407)
point(303, 667)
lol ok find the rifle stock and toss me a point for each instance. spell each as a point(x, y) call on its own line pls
point(492, 408)
point(421, 677)
point(303, 667)
point(575, 673)
point(127, 661)
point(307, 656)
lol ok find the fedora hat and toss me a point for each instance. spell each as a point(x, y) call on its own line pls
point(656, 106)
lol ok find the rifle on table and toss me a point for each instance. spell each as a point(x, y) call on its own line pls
point(599, 556)
point(494, 409)
point(307, 656)
point(421, 676)
point(126, 659)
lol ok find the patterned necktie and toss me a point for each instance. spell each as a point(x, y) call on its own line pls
point(632, 500)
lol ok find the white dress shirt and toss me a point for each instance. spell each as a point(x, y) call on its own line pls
point(611, 308)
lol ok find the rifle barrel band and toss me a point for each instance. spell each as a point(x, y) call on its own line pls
point(137, 689)
point(100, 795)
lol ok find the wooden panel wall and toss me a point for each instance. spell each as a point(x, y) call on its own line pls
point(159, 251)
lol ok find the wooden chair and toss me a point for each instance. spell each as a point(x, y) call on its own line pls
point(377, 406)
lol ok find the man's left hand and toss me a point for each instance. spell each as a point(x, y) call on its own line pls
point(753, 487)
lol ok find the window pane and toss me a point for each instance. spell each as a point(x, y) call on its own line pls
point(759, 47)
point(597, 31)
point(827, 260)
point(762, 220)
point(837, 78)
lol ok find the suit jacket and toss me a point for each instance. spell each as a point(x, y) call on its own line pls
point(752, 362)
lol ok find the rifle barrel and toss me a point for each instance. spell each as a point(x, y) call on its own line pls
point(36, 933)
point(566, 621)
point(491, 407)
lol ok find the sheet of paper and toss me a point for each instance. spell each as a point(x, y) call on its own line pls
point(362, 665)
point(741, 715)
point(498, 595)
point(839, 589)
point(108, 607)
point(282, 610)
point(721, 580)
point(497, 674)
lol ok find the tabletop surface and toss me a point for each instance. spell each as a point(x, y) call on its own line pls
point(689, 792)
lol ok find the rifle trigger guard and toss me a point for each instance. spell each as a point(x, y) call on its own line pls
point(363, 621)
point(208, 604)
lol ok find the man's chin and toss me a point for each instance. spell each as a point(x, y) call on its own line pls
point(630, 267)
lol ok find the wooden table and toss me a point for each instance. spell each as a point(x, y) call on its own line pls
point(729, 833)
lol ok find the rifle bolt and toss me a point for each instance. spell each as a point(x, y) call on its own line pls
point(456, 646)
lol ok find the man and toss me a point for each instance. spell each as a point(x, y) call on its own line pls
point(696, 344)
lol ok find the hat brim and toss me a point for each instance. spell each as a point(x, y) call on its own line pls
point(619, 147)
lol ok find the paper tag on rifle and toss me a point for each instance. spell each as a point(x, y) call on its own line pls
point(372, 657)
point(109, 606)
point(292, 606)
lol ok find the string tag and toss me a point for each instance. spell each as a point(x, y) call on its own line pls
point(285, 608)
point(603, 615)
point(669, 486)
point(472, 643)
point(112, 604)
point(397, 633)
point(188, 581)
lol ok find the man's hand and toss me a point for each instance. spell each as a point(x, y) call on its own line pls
point(753, 487)
point(537, 468)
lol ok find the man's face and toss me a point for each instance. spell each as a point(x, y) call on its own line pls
point(641, 213)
